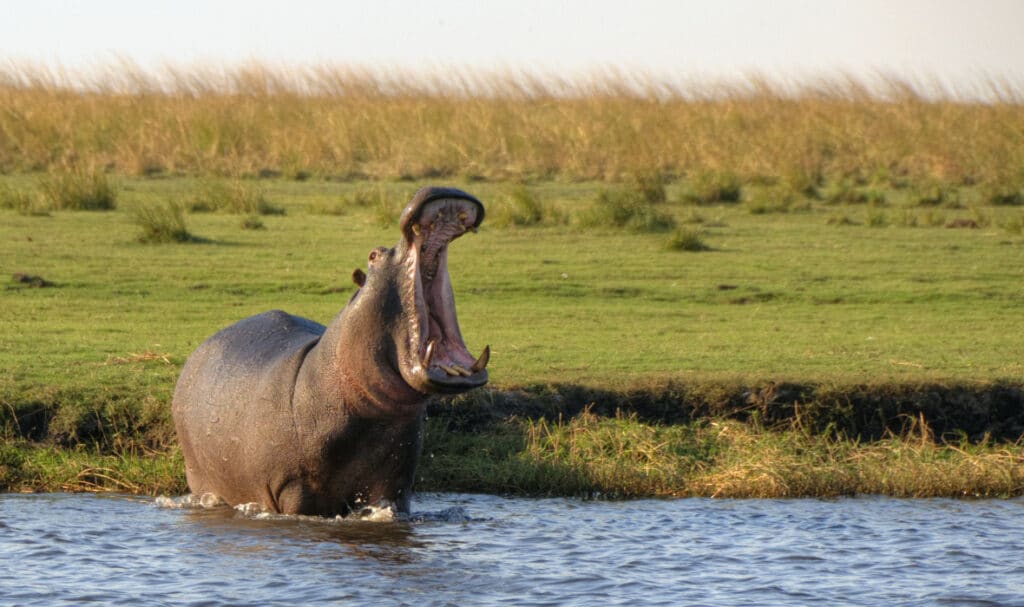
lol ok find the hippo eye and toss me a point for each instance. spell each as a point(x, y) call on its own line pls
point(373, 255)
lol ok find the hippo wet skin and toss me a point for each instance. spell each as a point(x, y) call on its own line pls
point(307, 419)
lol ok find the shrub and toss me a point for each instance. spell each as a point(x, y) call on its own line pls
point(253, 222)
point(80, 190)
point(626, 208)
point(980, 217)
point(803, 182)
point(26, 203)
point(687, 240)
point(161, 223)
point(710, 187)
point(650, 186)
point(933, 218)
point(876, 219)
point(520, 208)
point(906, 219)
point(841, 220)
point(234, 197)
point(847, 192)
point(1004, 191)
point(935, 195)
point(770, 200)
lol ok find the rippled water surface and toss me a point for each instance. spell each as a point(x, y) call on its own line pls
point(485, 550)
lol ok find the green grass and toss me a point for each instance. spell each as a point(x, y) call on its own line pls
point(782, 295)
point(89, 364)
point(25, 467)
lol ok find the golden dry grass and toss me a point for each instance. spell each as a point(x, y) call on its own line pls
point(626, 457)
point(339, 121)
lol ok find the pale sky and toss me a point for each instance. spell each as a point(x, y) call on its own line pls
point(958, 42)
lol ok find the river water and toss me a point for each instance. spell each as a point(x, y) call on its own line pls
point(487, 550)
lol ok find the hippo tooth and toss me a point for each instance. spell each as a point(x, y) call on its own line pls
point(481, 363)
point(416, 229)
point(462, 370)
point(449, 370)
point(429, 354)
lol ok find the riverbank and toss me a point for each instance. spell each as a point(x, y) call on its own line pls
point(712, 441)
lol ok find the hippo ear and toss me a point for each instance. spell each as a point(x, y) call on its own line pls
point(359, 277)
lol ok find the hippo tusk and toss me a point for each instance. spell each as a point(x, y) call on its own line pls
point(481, 363)
point(428, 355)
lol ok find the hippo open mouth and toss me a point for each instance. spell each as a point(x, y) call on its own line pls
point(442, 354)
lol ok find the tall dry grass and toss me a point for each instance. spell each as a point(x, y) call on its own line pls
point(339, 121)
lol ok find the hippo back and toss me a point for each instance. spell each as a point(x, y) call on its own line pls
point(233, 407)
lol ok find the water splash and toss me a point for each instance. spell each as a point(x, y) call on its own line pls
point(251, 509)
point(383, 512)
point(205, 501)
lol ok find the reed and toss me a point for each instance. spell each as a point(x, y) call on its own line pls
point(622, 456)
point(337, 121)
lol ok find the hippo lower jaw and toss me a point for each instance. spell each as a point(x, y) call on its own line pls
point(440, 360)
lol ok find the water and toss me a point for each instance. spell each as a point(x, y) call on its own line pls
point(486, 550)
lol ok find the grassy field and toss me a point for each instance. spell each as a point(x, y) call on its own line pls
point(820, 293)
point(736, 292)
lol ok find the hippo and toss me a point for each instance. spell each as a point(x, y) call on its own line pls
point(306, 419)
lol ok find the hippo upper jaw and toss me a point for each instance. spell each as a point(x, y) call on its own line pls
point(436, 359)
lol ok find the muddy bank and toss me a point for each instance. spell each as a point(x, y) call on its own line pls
point(866, 412)
point(109, 418)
